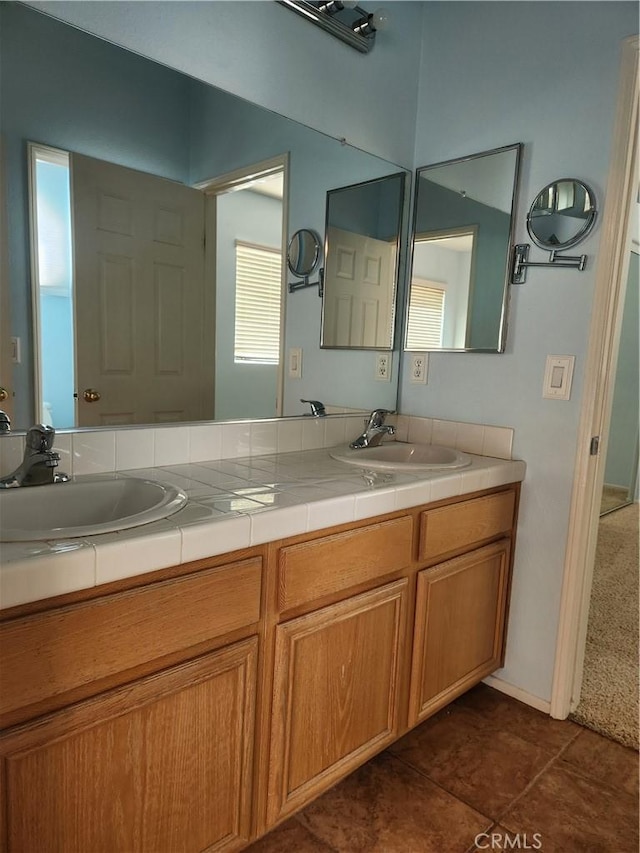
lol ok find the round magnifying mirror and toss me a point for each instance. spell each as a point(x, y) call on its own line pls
point(304, 251)
point(562, 214)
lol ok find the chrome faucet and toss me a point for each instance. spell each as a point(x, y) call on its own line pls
point(39, 462)
point(317, 408)
point(374, 430)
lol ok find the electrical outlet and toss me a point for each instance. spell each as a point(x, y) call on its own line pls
point(383, 366)
point(419, 368)
point(295, 363)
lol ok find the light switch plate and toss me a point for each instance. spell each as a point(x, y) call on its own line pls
point(558, 376)
point(295, 363)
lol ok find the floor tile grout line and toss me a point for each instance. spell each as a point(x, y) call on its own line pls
point(426, 776)
point(582, 774)
point(556, 756)
point(537, 777)
point(479, 714)
point(487, 831)
point(296, 817)
point(492, 822)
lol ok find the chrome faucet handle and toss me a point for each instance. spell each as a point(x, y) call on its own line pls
point(317, 408)
point(40, 438)
point(377, 416)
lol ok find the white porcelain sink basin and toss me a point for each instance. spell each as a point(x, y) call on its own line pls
point(84, 507)
point(398, 455)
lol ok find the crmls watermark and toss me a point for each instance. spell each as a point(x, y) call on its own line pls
point(507, 841)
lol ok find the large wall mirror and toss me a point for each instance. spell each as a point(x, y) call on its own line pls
point(362, 248)
point(462, 237)
point(251, 178)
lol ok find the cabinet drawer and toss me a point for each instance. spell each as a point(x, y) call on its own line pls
point(51, 653)
point(309, 570)
point(453, 529)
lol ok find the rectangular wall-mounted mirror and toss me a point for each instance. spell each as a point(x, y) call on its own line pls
point(83, 99)
point(362, 254)
point(462, 238)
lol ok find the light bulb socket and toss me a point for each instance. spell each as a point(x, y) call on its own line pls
point(363, 26)
point(330, 7)
point(370, 24)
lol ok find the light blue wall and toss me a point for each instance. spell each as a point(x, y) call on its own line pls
point(242, 390)
point(544, 74)
point(317, 163)
point(269, 55)
point(49, 74)
point(622, 449)
point(373, 209)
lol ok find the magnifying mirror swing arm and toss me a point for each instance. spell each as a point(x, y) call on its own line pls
point(301, 285)
point(521, 262)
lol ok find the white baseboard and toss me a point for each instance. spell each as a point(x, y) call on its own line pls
point(518, 693)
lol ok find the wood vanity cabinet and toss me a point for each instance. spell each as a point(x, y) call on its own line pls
point(197, 709)
point(156, 762)
point(353, 676)
point(461, 603)
point(162, 764)
point(459, 627)
point(336, 691)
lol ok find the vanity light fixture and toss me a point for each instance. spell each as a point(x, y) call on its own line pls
point(342, 18)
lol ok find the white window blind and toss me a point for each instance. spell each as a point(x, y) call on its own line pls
point(258, 296)
point(426, 316)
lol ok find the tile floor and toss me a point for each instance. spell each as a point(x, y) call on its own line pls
point(486, 773)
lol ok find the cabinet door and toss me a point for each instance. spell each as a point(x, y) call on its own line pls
point(335, 693)
point(459, 630)
point(163, 764)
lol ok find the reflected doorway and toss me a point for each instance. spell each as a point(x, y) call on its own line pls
point(620, 486)
point(442, 290)
point(245, 256)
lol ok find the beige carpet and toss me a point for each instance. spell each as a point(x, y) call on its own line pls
point(613, 497)
point(609, 700)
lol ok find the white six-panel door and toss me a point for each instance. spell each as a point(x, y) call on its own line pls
point(358, 300)
point(143, 340)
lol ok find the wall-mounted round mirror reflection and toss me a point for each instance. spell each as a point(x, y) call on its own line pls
point(562, 214)
point(303, 252)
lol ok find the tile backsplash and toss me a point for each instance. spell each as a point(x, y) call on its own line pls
point(102, 450)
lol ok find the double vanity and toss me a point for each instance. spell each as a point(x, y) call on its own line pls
point(315, 611)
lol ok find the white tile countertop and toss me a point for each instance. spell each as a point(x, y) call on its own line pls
point(233, 504)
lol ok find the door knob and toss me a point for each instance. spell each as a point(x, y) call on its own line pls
point(4, 394)
point(90, 395)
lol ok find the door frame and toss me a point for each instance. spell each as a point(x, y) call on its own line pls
point(227, 182)
point(56, 155)
point(604, 339)
point(6, 345)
